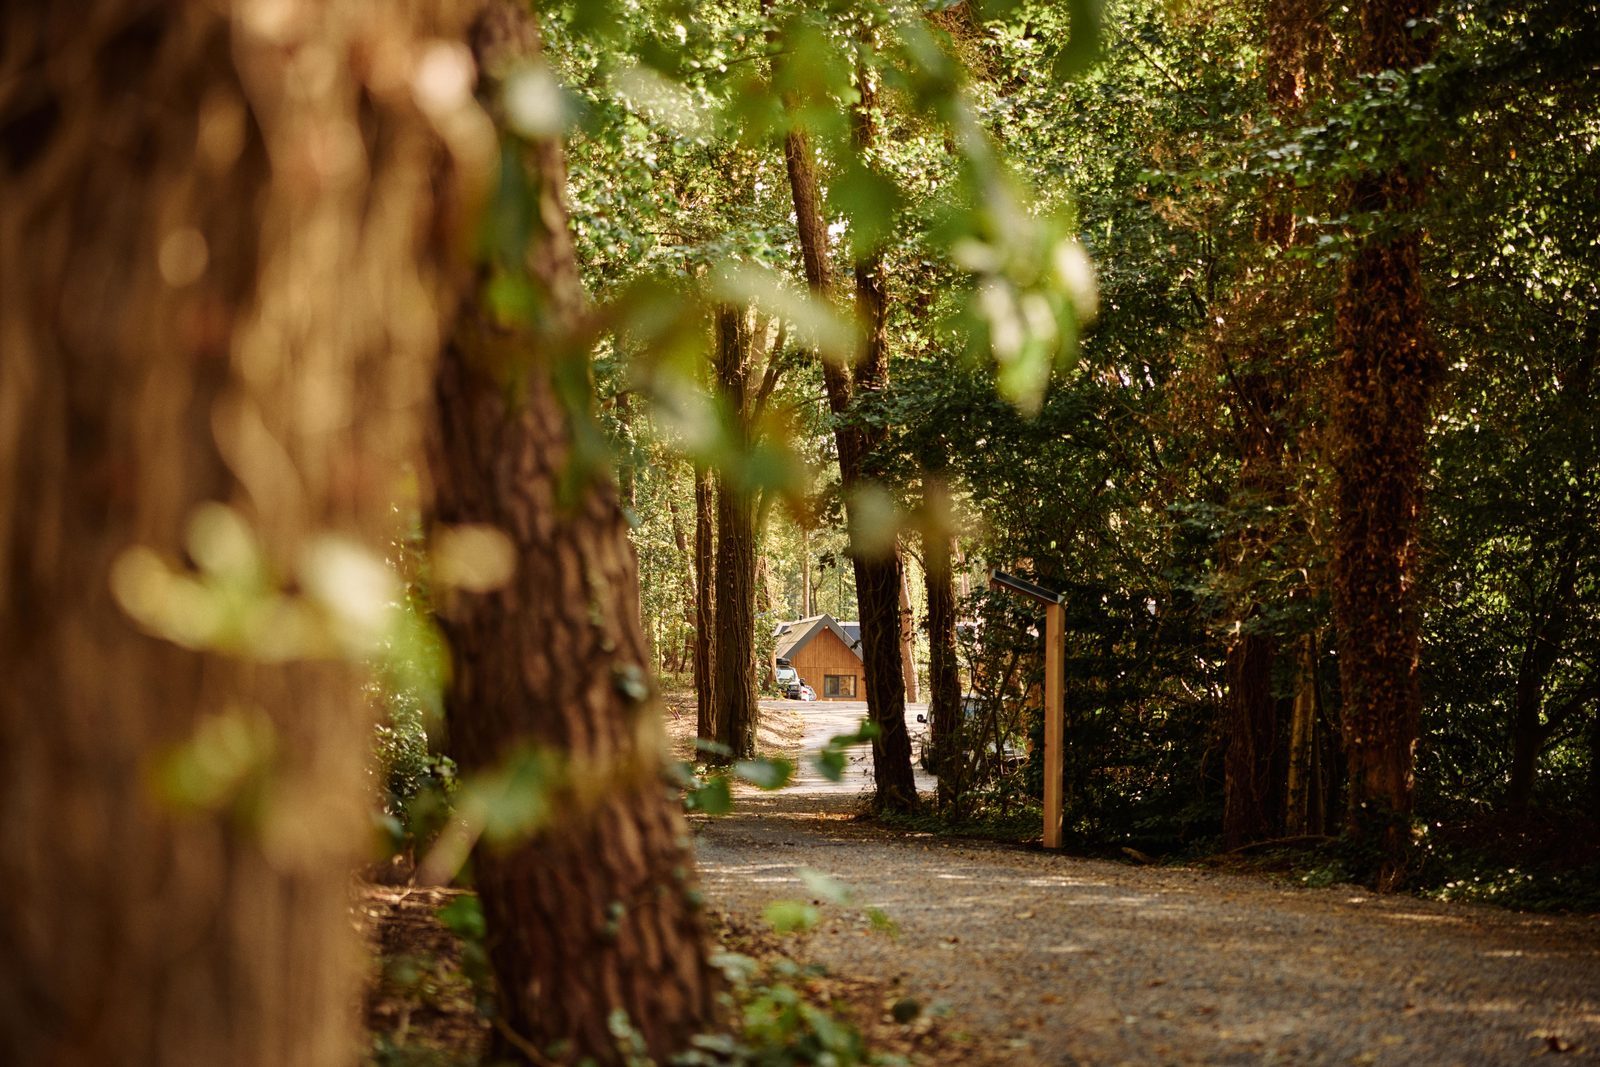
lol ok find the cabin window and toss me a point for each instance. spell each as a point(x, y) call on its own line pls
point(838, 685)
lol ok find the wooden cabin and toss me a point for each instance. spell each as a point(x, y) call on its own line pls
point(827, 655)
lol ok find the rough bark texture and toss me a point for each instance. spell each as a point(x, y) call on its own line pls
point(733, 658)
point(1386, 373)
point(184, 323)
point(1247, 801)
point(877, 578)
point(593, 914)
point(705, 546)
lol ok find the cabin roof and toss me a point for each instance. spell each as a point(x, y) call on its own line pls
point(794, 636)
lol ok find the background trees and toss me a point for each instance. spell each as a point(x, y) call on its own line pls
point(1180, 473)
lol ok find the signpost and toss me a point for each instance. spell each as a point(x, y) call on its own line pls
point(1054, 708)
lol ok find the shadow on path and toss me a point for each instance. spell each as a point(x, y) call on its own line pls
point(1058, 960)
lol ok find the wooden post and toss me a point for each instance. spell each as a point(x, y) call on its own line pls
point(1054, 723)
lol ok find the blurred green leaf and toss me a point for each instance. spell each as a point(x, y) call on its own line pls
point(768, 774)
point(791, 916)
point(712, 796)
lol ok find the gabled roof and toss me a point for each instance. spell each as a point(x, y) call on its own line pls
point(793, 636)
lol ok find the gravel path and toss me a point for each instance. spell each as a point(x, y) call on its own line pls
point(1056, 960)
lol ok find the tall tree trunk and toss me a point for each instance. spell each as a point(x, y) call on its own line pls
point(689, 570)
point(908, 635)
point(1252, 721)
point(733, 667)
point(877, 578)
point(767, 607)
point(213, 266)
point(944, 671)
point(704, 608)
point(1263, 380)
point(591, 917)
point(1303, 807)
point(1387, 369)
point(805, 574)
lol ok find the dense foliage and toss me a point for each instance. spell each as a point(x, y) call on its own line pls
point(1173, 472)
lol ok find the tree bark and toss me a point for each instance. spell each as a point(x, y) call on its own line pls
point(691, 576)
point(223, 282)
point(1253, 726)
point(592, 916)
point(704, 607)
point(1386, 373)
point(1303, 812)
point(734, 654)
point(877, 579)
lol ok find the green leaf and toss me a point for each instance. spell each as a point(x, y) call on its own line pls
point(765, 773)
point(867, 731)
point(463, 917)
point(791, 916)
point(870, 199)
point(824, 886)
point(830, 764)
point(711, 796)
point(882, 923)
point(1082, 49)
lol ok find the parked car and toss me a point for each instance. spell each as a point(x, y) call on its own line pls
point(786, 675)
point(799, 690)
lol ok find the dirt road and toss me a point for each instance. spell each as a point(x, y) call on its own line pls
point(826, 719)
point(1056, 960)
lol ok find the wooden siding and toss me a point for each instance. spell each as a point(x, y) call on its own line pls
point(825, 654)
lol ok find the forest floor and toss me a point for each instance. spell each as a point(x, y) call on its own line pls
point(977, 954)
point(1050, 959)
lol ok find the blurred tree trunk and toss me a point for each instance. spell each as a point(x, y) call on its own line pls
point(223, 281)
point(733, 657)
point(592, 917)
point(704, 607)
point(877, 574)
point(1386, 373)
